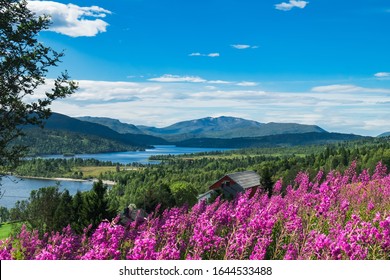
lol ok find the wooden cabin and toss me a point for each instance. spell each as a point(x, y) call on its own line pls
point(231, 184)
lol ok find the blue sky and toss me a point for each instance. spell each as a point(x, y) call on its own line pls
point(156, 62)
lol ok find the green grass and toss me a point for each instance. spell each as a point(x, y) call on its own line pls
point(95, 171)
point(5, 230)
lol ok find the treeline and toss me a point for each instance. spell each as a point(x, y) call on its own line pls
point(60, 167)
point(46, 141)
point(49, 209)
point(290, 139)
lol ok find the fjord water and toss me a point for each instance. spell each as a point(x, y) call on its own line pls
point(142, 156)
point(15, 189)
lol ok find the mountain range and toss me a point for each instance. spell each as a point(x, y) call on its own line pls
point(64, 134)
point(221, 127)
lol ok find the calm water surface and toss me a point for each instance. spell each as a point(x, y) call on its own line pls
point(141, 156)
point(15, 189)
point(19, 189)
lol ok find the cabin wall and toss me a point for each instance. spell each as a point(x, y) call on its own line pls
point(221, 182)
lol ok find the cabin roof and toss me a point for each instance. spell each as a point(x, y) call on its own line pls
point(205, 194)
point(246, 179)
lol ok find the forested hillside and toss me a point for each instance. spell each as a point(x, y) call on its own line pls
point(48, 142)
point(280, 140)
point(66, 135)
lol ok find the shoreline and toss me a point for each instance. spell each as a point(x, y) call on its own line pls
point(106, 182)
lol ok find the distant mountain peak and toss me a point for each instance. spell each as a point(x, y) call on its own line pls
point(114, 124)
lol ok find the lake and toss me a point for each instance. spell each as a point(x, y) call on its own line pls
point(15, 188)
point(19, 189)
point(141, 156)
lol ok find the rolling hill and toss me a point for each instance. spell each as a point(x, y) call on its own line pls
point(113, 124)
point(64, 134)
point(63, 122)
point(47, 142)
point(386, 134)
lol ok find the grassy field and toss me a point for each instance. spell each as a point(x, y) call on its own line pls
point(95, 171)
point(5, 230)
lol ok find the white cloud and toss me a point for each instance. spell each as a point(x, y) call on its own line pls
point(347, 89)
point(382, 75)
point(336, 88)
point(202, 54)
point(290, 5)
point(70, 19)
point(168, 78)
point(247, 84)
point(219, 82)
point(243, 47)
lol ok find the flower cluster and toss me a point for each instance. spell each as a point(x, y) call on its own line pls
point(338, 216)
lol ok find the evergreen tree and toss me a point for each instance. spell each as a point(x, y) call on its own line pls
point(41, 208)
point(63, 214)
point(77, 209)
point(266, 180)
point(95, 207)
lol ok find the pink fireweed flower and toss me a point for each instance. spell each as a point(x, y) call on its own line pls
point(370, 206)
point(30, 243)
point(291, 252)
point(278, 187)
point(105, 242)
point(60, 246)
point(5, 249)
point(380, 171)
point(344, 206)
point(144, 247)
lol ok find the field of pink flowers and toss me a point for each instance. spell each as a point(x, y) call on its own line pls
point(337, 216)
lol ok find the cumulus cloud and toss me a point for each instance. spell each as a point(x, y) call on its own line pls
point(202, 54)
point(243, 47)
point(70, 19)
point(382, 75)
point(290, 5)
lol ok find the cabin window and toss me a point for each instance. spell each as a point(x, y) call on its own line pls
point(226, 184)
